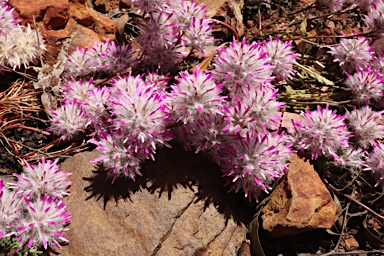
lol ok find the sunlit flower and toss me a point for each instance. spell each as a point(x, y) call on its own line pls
point(366, 86)
point(241, 66)
point(46, 178)
point(253, 162)
point(352, 54)
point(365, 126)
point(321, 132)
point(43, 223)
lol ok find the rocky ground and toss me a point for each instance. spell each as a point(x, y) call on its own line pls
point(179, 206)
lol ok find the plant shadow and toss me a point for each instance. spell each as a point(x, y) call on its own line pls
point(175, 167)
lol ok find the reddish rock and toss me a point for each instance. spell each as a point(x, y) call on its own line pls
point(299, 203)
point(43, 10)
point(125, 3)
point(59, 19)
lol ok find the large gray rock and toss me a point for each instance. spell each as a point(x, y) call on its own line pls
point(152, 223)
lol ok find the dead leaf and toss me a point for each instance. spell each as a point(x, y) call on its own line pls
point(286, 122)
point(253, 227)
point(120, 28)
point(49, 79)
point(313, 73)
point(245, 249)
point(351, 243)
point(205, 63)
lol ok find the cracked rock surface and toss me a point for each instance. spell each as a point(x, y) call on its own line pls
point(147, 222)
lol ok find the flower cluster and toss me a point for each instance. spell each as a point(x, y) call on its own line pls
point(351, 141)
point(171, 26)
point(135, 125)
point(31, 209)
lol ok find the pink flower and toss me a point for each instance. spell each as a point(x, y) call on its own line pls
point(194, 95)
point(366, 86)
point(258, 111)
point(254, 161)
point(7, 19)
point(43, 223)
point(68, 119)
point(139, 113)
point(19, 47)
point(120, 159)
point(46, 178)
point(159, 42)
point(365, 126)
point(282, 57)
point(10, 209)
point(352, 54)
point(321, 132)
point(241, 66)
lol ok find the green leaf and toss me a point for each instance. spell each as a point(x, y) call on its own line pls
point(303, 28)
point(315, 74)
point(370, 196)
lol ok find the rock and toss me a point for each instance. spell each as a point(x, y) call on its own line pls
point(53, 13)
point(229, 10)
point(125, 4)
point(150, 223)
point(90, 18)
point(101, 5)
point(59, 19)
point(299, 203)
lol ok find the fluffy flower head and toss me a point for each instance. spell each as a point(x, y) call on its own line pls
point(241, 66)
point(282, 58)
point(352, 54)
point(46, 178)
point(322, 132)
point(366, 86)
point(68, 119)
point(20, 47)
point(194, 95)
point(253, 162)
point(43, 223)
point(365, 126)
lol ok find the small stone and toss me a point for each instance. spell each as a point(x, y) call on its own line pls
point(250, 23)
point(301, 202)
point(255, 31)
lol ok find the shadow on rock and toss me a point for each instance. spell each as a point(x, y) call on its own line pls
point(172, 168)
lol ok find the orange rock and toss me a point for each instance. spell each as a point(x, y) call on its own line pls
point(43, 10)
point(59, 19)
point(299, 203)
